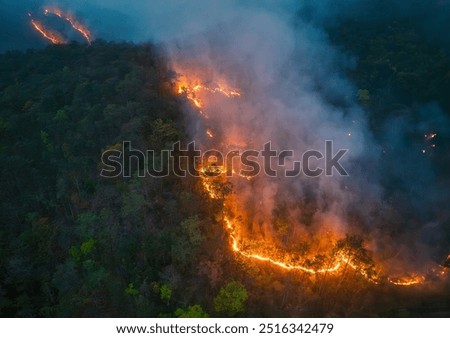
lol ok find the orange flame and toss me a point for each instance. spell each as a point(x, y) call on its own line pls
point(286, 266)
point(76, 25)
point(407, 280)
point(340, 260)
point(52, 36)
point(192, 91)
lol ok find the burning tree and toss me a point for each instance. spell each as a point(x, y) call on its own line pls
point(351, 252)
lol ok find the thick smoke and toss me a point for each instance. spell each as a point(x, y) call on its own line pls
point(295, 94)
point(288, 74)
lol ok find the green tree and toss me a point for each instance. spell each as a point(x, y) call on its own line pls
point(191, 229)
point(364, 96)
point(194, 311)
point(163, 134)
point(187, 242)
point(231, 299)
point(131, 290)
point(165, 293)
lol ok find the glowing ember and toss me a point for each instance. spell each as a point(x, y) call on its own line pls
point(221, 90)
point(430, 136)
point(447, 262)
point(407, 281)
point(52, 36)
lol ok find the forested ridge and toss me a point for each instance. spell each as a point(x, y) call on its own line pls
point(73, 243)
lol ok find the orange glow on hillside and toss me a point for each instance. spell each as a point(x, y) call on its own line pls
point(194, 90)
point(52, 36)
point(76, 25)
point(407, 280)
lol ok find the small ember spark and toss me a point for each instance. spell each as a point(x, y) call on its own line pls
point(430, 136)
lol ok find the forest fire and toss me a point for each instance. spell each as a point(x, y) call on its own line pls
point(259, 257)
point(76, 25)
point(407, 281)
point(192, 90)
point(338, 262)
point(52, 36)
point(55, 37)
point(339, 259)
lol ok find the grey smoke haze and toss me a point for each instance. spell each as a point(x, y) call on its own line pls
point(289, 74)
point(279, 69)
point(291, 78)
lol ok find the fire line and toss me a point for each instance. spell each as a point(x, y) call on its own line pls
point(55, 37)
point(192, 91)
point(76, 25)
point(52, 36)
